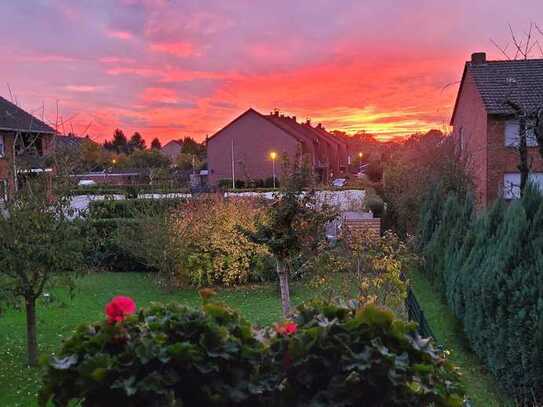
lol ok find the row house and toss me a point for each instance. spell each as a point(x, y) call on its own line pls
point(25, 142)
point(242, 150)
point(486, 127)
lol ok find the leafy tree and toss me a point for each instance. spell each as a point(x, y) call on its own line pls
point(136, 142)
point(186, 161)
point(146, 159)
point(156, 144)
point(191, 146)
point(295, 224)
point(40, 248)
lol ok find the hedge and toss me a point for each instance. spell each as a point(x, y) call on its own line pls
point(131, 208)
point(179, 356)
point(489, 268)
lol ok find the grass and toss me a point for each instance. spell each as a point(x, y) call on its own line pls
point(19, 384)
point(480, 385)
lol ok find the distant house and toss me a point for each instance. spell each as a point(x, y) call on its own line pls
point(172, 149)
point(485, 128)
point(25, 141)
point(242, 149)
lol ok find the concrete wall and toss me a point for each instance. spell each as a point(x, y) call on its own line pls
point(254, 138)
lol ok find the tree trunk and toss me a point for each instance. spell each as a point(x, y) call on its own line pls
point(31, 338)
point(523, 166)
point(282, 272)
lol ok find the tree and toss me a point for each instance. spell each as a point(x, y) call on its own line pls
point(191, 146)
point(136, 143)
point(296, 224)
point(40, 248)
point(146, 159)
point(119, 144)
point(155, 144)
point(188, 162)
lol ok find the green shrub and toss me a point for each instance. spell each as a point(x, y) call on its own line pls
point(108, 252)
point(131, 208)
point(350, 356)
point(375, 204)
point(225, 183)
point(175, 355)
point(489, 270)
point(164, 355)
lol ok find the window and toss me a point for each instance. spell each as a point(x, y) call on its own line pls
point(2, 147)
point(511, 183)
point(3, 190)
point(512, 134)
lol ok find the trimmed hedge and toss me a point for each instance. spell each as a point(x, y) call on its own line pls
point(131, 208)
point(178, 356)
point(490, 270)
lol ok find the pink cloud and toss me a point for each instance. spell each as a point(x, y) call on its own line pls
point(179, 49)
point(120, 35)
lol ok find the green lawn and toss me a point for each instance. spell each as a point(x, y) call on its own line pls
point(480, 385)
point(18, 384)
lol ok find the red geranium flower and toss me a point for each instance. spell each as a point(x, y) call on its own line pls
point(119, 308)
point(288, 328)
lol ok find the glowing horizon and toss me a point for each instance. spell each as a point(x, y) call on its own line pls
point(171, 69)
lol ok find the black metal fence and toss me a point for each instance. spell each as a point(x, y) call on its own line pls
point(415, 313)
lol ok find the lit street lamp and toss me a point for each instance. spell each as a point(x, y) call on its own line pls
point(273, 156)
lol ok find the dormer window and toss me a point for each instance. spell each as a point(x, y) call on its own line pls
point(512, 134)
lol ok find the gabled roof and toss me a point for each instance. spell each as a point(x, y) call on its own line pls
point(14, 118)
point(519, 81)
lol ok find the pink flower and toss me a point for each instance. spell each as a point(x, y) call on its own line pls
point(119, 308)
point(288, 328)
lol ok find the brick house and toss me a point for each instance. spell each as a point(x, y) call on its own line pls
point(25, 141)
point(486, 129)
point(242, 148)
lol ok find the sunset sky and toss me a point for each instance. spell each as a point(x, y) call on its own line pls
point(177, 68)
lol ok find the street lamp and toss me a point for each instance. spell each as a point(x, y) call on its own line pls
point(273, 156)
point(360, 155)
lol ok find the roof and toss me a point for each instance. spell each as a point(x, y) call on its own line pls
point(69, 142)
point(519, 81)
point(12, 117)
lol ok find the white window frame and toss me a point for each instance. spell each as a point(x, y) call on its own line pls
point(512, 134)
point(511, 183)
point(2, 146)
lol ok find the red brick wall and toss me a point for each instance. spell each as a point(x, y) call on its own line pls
point(471, 119)
point(254, 138)
point(503, 159)
point(6, 162)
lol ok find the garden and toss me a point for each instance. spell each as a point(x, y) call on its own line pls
point(244, 299)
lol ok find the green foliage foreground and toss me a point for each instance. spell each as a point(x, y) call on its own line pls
point(490, 269)
point(176, 355)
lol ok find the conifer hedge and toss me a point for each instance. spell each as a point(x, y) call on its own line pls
point(490, 269)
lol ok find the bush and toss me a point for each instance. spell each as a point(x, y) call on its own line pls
point(268, 182)
point(201, 244)
point(108, 252)
point(165, 355)
point(225, 183)
point(489, 269)
point(375, 204)
point(131, 208)
point(175, 355)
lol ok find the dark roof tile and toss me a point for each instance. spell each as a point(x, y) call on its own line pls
point(520, 81)
point(12, 117)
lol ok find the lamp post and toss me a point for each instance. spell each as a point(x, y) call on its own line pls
point(273, 156)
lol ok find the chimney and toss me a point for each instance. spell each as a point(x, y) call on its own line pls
point(478, 58)
point(319, 125)
point(294, 118)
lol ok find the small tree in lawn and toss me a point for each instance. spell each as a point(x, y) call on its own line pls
point(40, 247)
point(295, 224)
